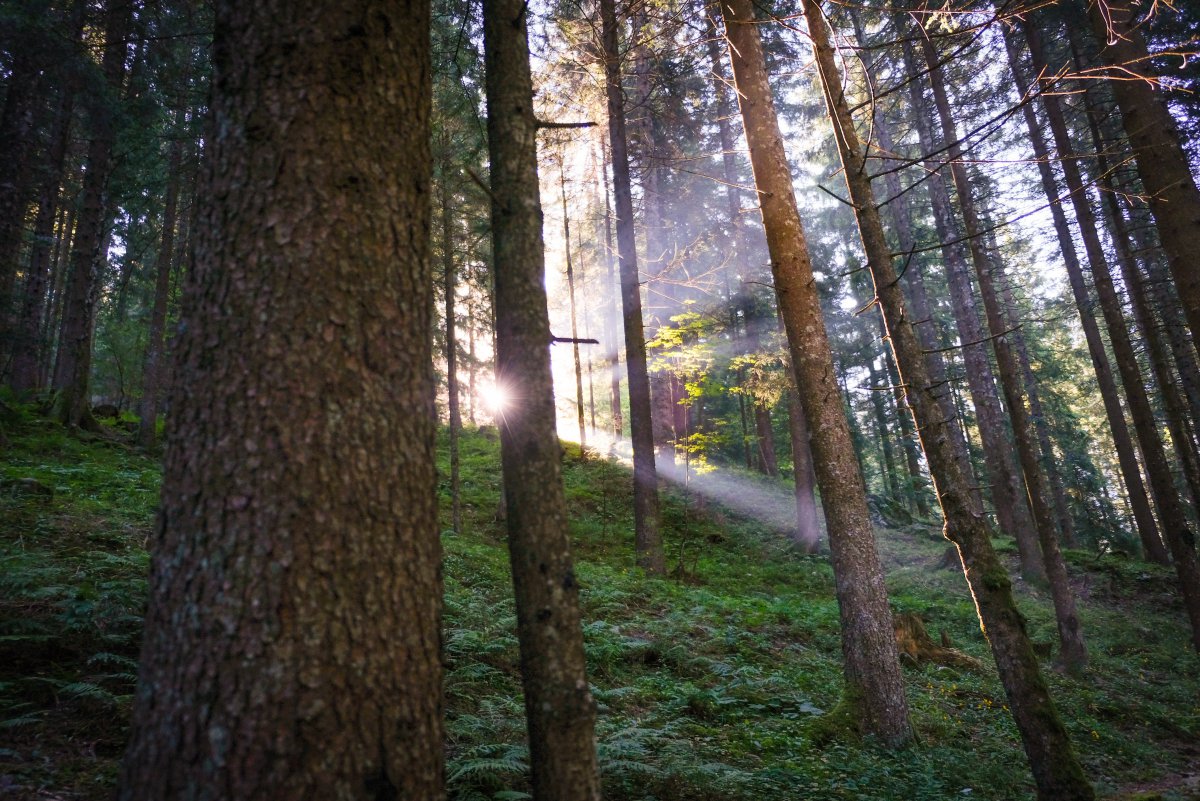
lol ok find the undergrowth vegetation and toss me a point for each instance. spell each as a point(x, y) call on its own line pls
point(713, 683)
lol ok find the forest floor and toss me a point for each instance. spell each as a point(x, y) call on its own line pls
point(712, 683)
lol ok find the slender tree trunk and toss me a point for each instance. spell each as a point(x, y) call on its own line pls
point(72, 406)
point(1007, 487)
point(58, 278)
point(30, 344)
point(648, 541)
point(1073, 652)
point(883, 429)
point(918, 302)
point(591, 384)
point(1122, 440)
point(1056, 770)
point(1037, 414)
point(292, 639)
point(450, 288)
point(808, 527)
point(917, 485)
point(768, 464)
point(574, 320)
point(472, 363)
point(17, 126)
point(1162, 163)
point(559, 708)
point(875, 688)
point(612, 327)
point(164, 262)
point(1158, 469)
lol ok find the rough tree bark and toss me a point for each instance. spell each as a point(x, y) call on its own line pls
point(874, 685)
point(292, 645)
point(1056, 770)
point(647, 539)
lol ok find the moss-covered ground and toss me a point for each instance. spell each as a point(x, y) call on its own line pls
point(712, 683)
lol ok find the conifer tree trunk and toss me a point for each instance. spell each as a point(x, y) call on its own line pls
point(1162, 163)
point(450, 287)
point(874, 685)
point(1171, 513)
point(1156, 350)
point(48, 364)
point(17, 133)
point(1037, 413)
point(1056, 770)
point(559, 709)
point(164, 264)
point(918, 302)
point(579, 412)
point(30, 343)
point(1126, 455)
point(611, 326)
point(768, 464)
point(292, 644)
point(72, 405)
point(648, 540)
point(883, 429)
point(1073, 652)
point(917, 484)
point(981, 380)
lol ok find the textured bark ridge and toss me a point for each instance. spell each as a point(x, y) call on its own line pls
point(292, 646)
point(1056, 770)
point(559, 708)
point(873, 679)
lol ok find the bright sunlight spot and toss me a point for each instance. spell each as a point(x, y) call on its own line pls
point(495, 397)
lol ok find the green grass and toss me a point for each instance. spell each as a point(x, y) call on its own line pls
point(712, 683)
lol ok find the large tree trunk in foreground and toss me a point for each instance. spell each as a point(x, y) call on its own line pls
point(1056, 770)
point(1139, 503)
point(648, 540)
point(72, 405)
point(1073, 652)
point(874, 686)
point(292, 645)
point(1161, 161)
